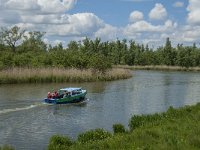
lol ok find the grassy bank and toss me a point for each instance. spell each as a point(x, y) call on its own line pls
point(159, 67)
point(6, 147)
point(174, 129)
point(43, 75)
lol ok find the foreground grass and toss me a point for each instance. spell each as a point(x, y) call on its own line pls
point(159, 67)
point(175, 129)
point(42, 75)
point(6, 147)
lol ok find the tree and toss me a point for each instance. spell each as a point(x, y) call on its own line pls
point(12, 36)
point(99, 63)
point(34, 42)
point(73, 46)
point(169, 54)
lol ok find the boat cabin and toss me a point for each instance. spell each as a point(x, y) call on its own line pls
point(70, 91)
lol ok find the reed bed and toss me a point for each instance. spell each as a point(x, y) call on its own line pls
point(159, 67)
point(45, 75)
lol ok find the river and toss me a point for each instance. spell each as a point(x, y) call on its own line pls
point(27, 123)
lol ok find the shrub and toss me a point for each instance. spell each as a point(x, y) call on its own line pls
point(93, 135)
point(138, 121)
point(58, 142)
point(135, 122)
point(118, 128)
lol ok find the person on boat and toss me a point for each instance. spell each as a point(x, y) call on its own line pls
point(49, 95)
point(55, 94)
point(65, 94)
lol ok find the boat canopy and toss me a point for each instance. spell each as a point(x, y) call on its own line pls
point(70, 89)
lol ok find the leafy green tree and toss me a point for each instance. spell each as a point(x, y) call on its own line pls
point(169, 55)
point(100, 64)
point(130, 55)
point(73, 46)
point(7, 59)
point(33, 42)
point(12, 37)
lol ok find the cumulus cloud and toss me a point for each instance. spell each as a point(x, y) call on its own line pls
point(108, 32)
point(178, 4)
point(22, 5)
point(144, 26)
point(56, 6)
point(35, 11)
point(46, 19)
point(189, 33)
point(80, 24)
point(50, 17)
point(158, 12)
point(136, 16)
point(40, 6)
point(194, 11)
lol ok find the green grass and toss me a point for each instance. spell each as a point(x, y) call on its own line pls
point(6, 147)
point(58, 75)
point(175, 129)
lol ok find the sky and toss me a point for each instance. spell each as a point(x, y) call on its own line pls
point(145, 21)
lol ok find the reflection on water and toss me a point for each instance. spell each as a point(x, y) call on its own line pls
point(27, 123)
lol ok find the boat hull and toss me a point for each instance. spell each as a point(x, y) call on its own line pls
point(68, 99)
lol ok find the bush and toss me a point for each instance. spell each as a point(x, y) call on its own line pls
point(138, 121)
point(93, 135)
point(135, 122)
point(118, 128)
point(58, 142)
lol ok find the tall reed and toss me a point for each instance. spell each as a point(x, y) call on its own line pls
point(158, 67)
point(42, 75)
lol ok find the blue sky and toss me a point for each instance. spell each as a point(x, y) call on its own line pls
point(116, 12)
point(145, 21)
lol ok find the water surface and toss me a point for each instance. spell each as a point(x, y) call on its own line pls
point(27, 123)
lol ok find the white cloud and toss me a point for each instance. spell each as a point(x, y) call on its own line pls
point(35, 11)
point(9, 17)
point(158, 12)
point(194, 11)
point(108, 32)
point(46, 19)
point(56, 6)
point(40, 6)
point(80, 24)
point(144, 26)
point(22, 5)
point(51, 17)
point(136, 16)
point(178, 4)
point(190, 33)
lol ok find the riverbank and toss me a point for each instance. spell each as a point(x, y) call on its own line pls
point(158, 67)
point(174, 129)
point(58, 75)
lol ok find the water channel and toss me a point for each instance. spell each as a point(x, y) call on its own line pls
point(27, 123)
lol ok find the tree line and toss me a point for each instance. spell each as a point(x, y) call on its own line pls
point(19, 48)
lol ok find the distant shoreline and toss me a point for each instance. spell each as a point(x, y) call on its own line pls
point(158, 67)
point(58, 75)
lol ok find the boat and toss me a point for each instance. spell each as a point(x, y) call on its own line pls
point(66, 95)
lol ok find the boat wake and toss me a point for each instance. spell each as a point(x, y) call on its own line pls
point(4, 111)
